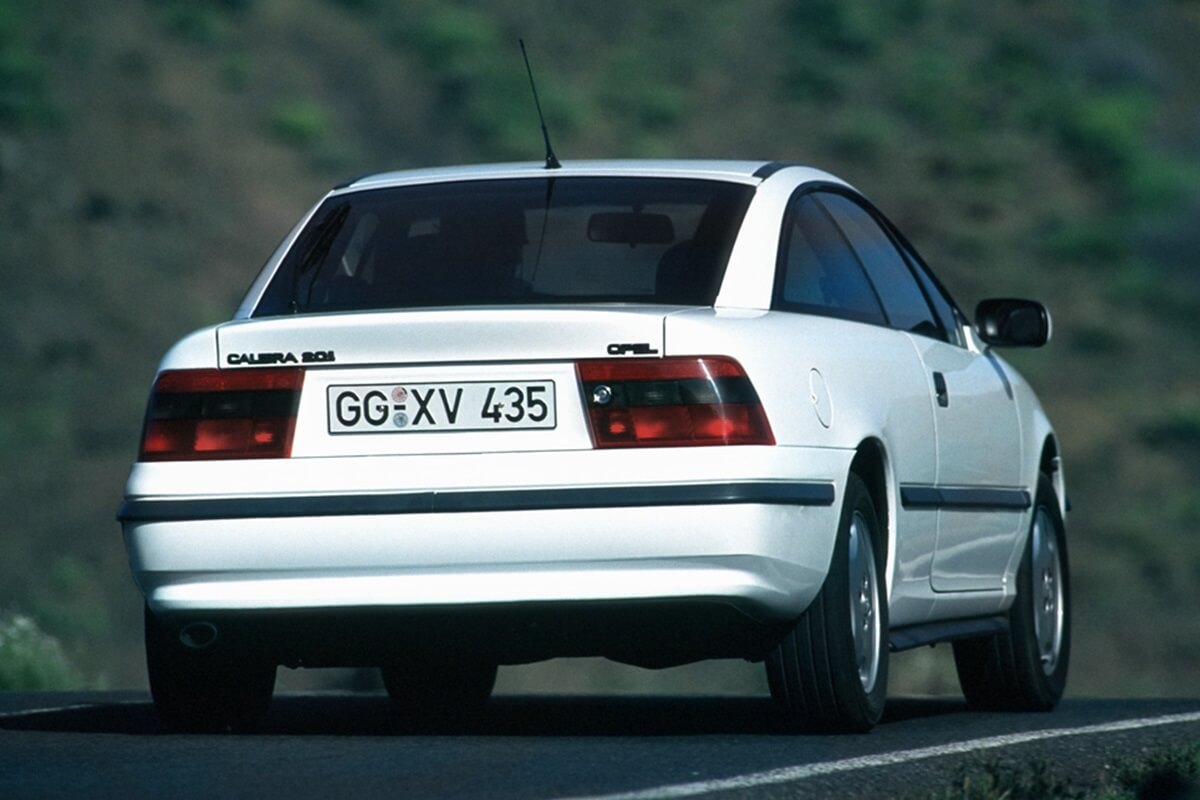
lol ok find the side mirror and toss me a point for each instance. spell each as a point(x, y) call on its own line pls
point(1012, 323)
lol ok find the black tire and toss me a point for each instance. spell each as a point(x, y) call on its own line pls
point(433, 688)
point(830, 671)
point(1025, 668)
point(195, 690)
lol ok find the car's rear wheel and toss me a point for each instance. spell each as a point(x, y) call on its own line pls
point(195, 689)
point(829, 672)
point(1025, 668)
point(424, 688)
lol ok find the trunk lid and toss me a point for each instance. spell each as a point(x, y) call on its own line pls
point(444, 336)
point(442, 381)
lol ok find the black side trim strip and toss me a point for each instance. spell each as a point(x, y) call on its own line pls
point(771, 167)
point(960, 498)
point(911, 636)
point(796, 494)
point(351, 181)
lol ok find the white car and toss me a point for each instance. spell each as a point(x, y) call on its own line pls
point(658, 411)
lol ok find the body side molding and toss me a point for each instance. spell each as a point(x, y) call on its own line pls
point(764, 492)
point(975, 497)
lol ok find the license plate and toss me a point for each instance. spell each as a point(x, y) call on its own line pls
point(438, 407)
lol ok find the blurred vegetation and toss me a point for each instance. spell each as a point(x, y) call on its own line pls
point(1172, 772)
point(24, 99)
point(300, 123)
point(31, 659)
point(152, 152)
point(998, 780)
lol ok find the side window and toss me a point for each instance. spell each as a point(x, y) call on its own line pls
point(942, 305)
point(902, 298)
point(819, 273)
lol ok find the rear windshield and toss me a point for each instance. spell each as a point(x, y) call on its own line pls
point(521, 241)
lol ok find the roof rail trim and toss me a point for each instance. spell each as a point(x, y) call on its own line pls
point(771, 167)
point(351, 181)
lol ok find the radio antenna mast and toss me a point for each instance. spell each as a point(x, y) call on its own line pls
point(551, 159)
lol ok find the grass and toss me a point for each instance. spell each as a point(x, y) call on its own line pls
point(1170, 774)
point(1173, 773)
point(997, 780)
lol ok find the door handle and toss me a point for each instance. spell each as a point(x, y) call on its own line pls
point(939, 386)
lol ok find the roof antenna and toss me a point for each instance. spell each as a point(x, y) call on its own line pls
point(551, 159)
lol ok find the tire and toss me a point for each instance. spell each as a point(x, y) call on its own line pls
point(195, 690)
point(830, 671)
point(426, 689)
point(1025, 668)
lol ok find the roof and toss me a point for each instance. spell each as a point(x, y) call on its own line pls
point(749, 172)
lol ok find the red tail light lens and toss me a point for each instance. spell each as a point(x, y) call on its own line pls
point(672, 402)
point(211, 413)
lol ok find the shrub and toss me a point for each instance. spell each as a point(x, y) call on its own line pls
point(865, 136)
point(200, 21)
point(853, 29)
point(1178, 427)
point(1094, 242)
point(30, 658)
point(1173, 773)
point(299, 123)
point(634, 90)
point(24, 96)
point(997, 780)
point(1104, 134)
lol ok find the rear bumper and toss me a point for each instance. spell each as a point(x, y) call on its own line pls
point(763, 556)
point(750, 551)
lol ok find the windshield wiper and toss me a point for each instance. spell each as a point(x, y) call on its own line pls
point(322, 240)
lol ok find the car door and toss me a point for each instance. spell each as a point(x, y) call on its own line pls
point(873, 372)
point(976, 492)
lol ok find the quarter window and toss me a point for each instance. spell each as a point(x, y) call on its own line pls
point(902, 297)
point(820, 273)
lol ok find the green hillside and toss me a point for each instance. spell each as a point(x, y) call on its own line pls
point(152, 153)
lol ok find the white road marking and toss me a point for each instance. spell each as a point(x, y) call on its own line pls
point(800, 772)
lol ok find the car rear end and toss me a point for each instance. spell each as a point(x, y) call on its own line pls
point(361, 467)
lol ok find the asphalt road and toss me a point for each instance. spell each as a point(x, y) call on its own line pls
point(350, 745)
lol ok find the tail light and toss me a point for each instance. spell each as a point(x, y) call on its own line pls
point(672, 402)
point(210, 414)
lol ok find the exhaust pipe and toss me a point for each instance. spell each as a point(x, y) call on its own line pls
point(198, 635)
